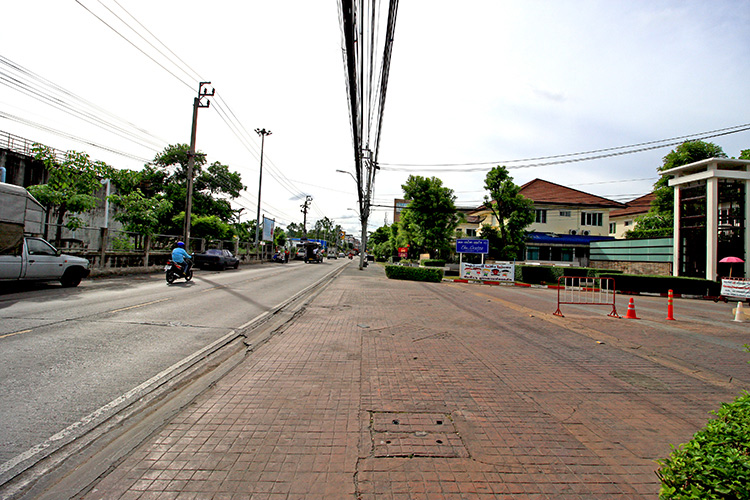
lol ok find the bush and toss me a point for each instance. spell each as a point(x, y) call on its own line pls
point(715, 464)
point(414, 273)
point(549, 274)
point(662, 284)
point(433, 263)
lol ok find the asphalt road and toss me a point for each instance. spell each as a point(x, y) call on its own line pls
point(65, 352)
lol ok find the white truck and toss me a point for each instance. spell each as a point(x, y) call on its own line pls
point(24, 256)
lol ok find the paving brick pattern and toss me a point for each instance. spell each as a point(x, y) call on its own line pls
point(401, 390)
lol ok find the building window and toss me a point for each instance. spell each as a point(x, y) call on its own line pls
point(471, 232)
point(591, 219)
point(564, 213)
point(541, 216)
point(612, 227)
point(628, 222)
point(532, 253)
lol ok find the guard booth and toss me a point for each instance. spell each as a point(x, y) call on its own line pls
point(711, 213)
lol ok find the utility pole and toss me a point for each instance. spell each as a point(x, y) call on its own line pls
point(262, 133)
point(191, 155)
point(305, 206)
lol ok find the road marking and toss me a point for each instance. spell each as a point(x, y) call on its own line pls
point(139, 305)
point(14, 333)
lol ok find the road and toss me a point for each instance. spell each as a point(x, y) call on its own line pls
point(65, 352)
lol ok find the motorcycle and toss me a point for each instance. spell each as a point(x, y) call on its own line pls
point(173, 271)
point(278, 257)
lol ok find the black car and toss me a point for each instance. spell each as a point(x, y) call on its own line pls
point(216, 258)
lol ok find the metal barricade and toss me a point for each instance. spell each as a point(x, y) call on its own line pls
point(588, 291)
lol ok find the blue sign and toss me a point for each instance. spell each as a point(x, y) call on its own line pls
point(472, 246)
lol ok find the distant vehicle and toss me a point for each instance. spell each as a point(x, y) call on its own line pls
point(217, 259)
point(313, 252)
point(300, 255)
point(27, 258)
point(341, 255)
point(332, 255)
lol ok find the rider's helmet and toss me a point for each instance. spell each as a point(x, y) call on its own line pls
point(181, 244)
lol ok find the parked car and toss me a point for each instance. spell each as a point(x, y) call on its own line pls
point(341, 255)
point(216, 258)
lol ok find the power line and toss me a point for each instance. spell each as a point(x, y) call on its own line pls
point(659, 144)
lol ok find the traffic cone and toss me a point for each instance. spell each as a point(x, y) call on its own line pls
point(670, 306)
point(631, 310)
point(739, 314)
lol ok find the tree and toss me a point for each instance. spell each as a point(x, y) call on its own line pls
point(659, 221)
point(295, 230)
point(70, 187)
point(279, 237)
point(430, 217)
point(513, 213)
point(140, 214)
point(381, 243)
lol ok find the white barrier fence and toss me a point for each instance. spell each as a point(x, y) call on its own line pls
point(586, 291)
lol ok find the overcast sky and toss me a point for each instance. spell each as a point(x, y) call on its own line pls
point(470, 82)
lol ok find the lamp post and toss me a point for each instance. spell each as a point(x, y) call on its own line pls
point(262, 133)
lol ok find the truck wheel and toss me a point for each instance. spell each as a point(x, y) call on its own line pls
point(71, 278)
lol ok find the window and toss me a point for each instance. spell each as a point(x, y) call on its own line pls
point(612, 227)
point(628, 222)
point(532, 253)
point(591, 219)
point(541, 216)
point(564, 213)
point(471, 232)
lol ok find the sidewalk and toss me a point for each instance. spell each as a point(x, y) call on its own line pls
point(385, 389)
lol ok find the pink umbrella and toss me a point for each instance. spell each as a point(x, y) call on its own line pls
point(731, 260)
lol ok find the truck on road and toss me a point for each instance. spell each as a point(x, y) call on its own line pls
point(24, 255)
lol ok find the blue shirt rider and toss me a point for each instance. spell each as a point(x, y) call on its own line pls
point(180, 256)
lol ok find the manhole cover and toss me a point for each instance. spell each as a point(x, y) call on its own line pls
point(396, 434)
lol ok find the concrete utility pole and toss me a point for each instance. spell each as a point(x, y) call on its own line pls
point(305, 206)
point(262, 133)
point(191, 155)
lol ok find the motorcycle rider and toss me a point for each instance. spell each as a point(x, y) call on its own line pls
point(181, 257)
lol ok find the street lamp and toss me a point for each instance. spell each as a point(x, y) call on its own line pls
point(262, 133)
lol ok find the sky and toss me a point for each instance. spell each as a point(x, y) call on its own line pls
point(472, 85)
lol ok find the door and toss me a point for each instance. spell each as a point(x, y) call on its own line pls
point(42, 260)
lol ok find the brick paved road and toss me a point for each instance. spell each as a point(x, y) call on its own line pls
point(386, 389)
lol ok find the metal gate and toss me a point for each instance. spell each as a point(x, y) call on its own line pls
point(584, 290)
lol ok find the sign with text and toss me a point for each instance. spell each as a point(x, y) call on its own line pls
point(472, 246)
point(268, 229)
point(735, 288)
point(403, 252)
point(488, 272)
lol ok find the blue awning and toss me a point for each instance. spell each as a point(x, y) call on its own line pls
point(535, 238)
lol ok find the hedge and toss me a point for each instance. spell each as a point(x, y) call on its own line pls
point(715, 464)
point(662, 284)
point(537, 275)
point(433, 263)
point(431, 274)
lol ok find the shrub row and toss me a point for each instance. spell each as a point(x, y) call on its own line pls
point(715, 464)
point(537, 275)
point(662, 284)
point(414, 273)
point(433, 263)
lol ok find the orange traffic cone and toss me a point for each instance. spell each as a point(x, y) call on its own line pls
point(631, 310)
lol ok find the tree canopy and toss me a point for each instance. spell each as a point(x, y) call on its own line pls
point(431, 217)
point(513, 213)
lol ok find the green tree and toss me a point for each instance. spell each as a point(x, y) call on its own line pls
point(70, 187)
point(513, 213)
point(295, 230)
point(381, 243)
point(279, 237)
point(430, 217)
point(140, 214)
point(659, 220)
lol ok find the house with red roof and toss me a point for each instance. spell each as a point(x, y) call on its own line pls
point(566, 222)
point(622, 220)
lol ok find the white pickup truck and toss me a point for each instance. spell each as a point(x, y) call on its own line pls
point(24, 257)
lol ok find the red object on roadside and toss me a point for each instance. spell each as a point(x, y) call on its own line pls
point(670, 306)
point(631, 310)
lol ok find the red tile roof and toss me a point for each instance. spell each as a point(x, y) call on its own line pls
point(541, 191)
point(637, 206)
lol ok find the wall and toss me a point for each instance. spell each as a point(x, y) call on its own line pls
point(649, 256)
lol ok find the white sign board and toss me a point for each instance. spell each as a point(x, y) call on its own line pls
point(488, 272)
point(735, 288)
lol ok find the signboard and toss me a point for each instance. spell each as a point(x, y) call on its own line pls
point(489, 272)
point(268, 229)
point(472, 246)
point(403, 252)
point(735, 288)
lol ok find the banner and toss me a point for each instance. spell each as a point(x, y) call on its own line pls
point(472, 246)
point(488, 272)
point(268, 229)
point(735, 288)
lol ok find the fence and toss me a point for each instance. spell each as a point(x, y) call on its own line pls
point(588, 291)
point(113, 248)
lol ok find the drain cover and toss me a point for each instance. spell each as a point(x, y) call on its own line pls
point(396, 434)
